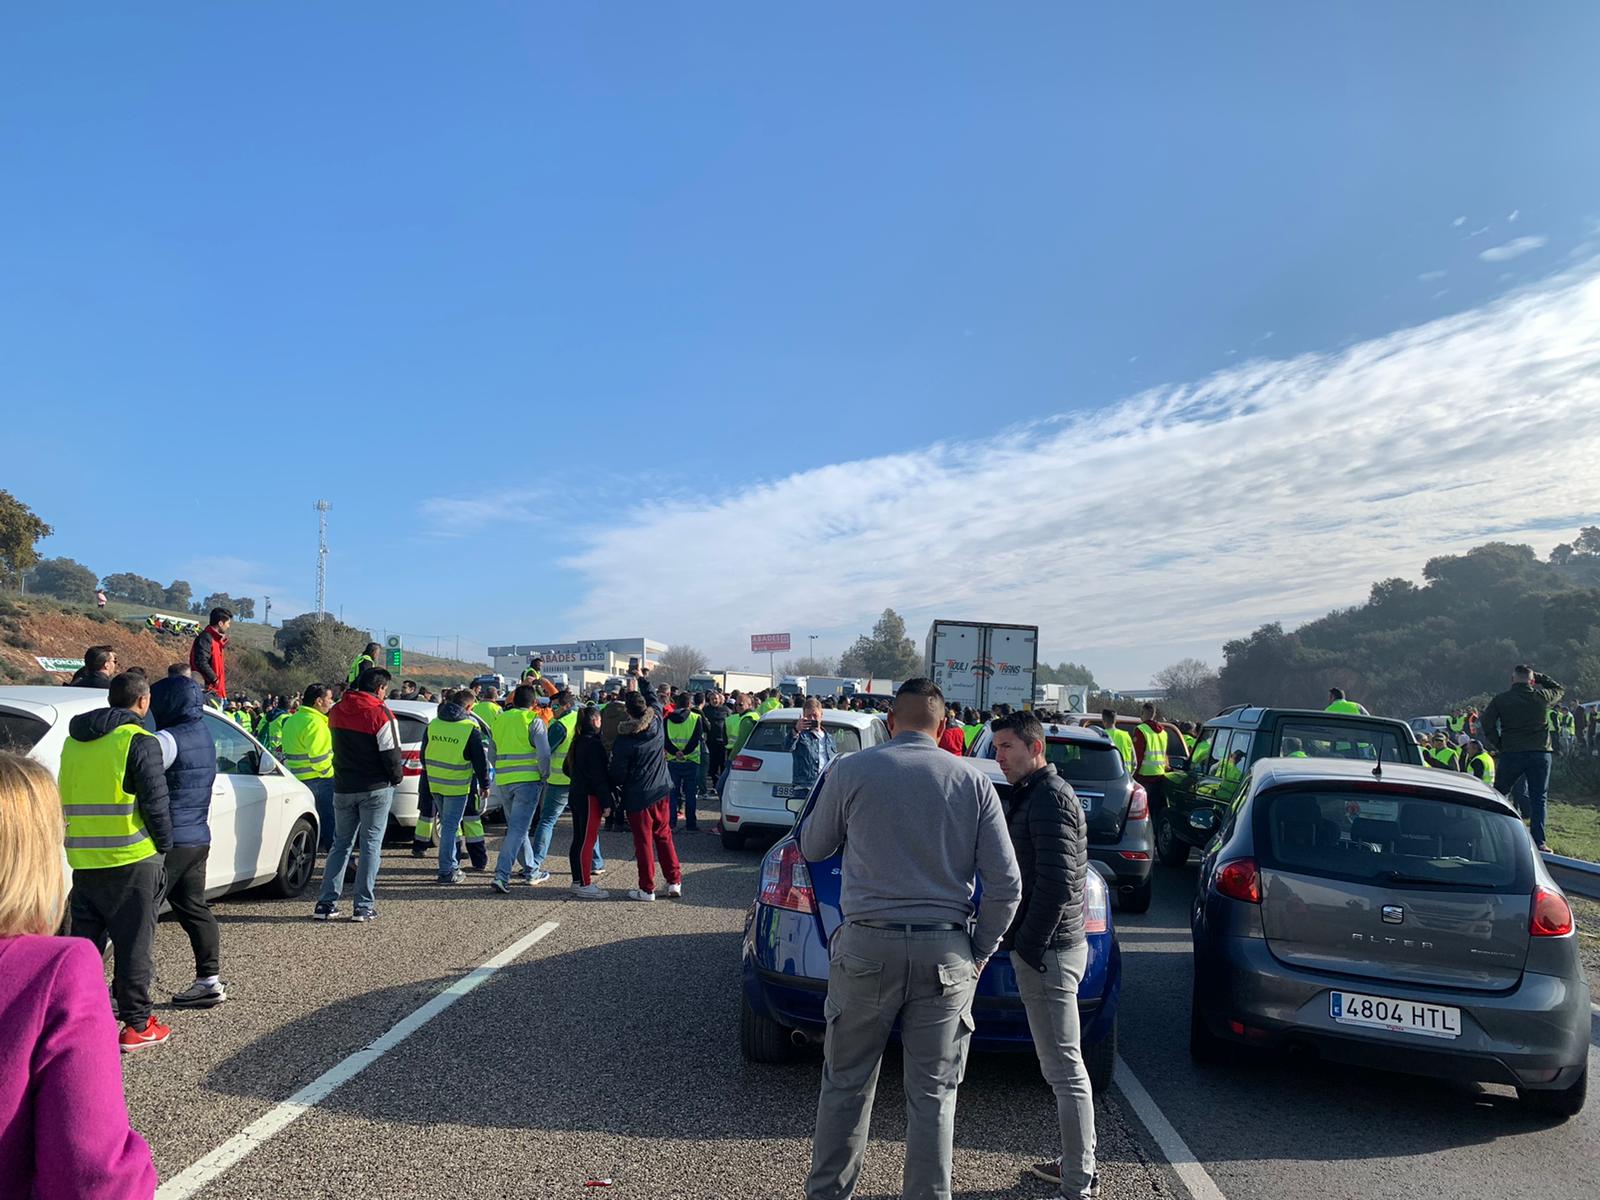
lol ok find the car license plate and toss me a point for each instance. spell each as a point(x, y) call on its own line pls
point(1397, 1016)
point(790, 791)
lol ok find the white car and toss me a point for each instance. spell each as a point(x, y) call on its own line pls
point(263, 820)
point(761, 776)
point(413, 716)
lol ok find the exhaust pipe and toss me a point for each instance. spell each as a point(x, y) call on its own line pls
point(799, 1037)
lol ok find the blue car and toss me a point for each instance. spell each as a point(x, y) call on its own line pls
point(785, 967)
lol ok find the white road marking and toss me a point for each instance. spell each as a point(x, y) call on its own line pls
point(1191, 1174)
point(195, 1177)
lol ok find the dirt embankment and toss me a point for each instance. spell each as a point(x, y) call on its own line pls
point(30, 630)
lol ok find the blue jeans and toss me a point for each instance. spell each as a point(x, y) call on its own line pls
point(520, 802)
point(553, 804)
point(363, 815)
point(322, 794)
point(451, 810)
point(1532, 766)
point(684, 776)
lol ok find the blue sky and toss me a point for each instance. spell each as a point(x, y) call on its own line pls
point(697, 320)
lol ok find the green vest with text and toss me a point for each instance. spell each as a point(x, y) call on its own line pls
point(308, 745)
point(515, 759)
point(558, 752)
point(445, 757)
point(679, 733)
point(104, 826)
point(1155, 750)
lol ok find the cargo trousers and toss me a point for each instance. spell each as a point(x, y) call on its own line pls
point(926, 981)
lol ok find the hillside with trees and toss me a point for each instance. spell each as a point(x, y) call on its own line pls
point(1452, 639)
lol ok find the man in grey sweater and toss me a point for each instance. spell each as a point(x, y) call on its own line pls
point(918, 827)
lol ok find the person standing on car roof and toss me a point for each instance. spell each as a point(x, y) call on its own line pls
point(1150, 758)
point(920, 830)
point(208, 654)
point(1516, 729)
point(1048, 948)
point(367, 658)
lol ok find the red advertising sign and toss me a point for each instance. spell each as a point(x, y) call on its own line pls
point(768, 643)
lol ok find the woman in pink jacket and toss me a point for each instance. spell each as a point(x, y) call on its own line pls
point(64, 1131)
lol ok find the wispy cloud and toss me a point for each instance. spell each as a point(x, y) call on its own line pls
point(1459, 222)
point(1511, 217)
point(1162, 525)
point(1512, 249)
point(1430, 276)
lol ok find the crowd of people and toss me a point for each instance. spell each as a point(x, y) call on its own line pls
point(914, 828)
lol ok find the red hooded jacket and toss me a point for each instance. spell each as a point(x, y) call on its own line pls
point(208, 660)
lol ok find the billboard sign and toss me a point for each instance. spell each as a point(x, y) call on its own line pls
point(769, 643)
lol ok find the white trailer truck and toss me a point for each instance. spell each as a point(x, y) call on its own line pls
point(979, 664)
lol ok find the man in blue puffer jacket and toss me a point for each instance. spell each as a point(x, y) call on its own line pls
point(189, 757)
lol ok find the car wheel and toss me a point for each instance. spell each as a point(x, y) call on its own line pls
point(762, 1039)
point(298, 862)
point(1205, 1047)
point(1567, 1102)
point(732, 839)
point(1171, 849)
point(1101, 1059)
point(1138, 900)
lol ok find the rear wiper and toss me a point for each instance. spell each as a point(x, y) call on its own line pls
point(1430, 880)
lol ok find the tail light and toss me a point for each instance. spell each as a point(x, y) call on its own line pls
point(786, 881)
point(745, 762)
point(1139, 806)
point(1552, 915)
point(411, 762)
point(1096, 903)
point(1239, 880)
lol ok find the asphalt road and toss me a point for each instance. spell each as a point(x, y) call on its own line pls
point(608, 1048)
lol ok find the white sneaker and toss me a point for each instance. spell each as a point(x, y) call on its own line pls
point(589, 891)
point(636, 894)
point(674, 890)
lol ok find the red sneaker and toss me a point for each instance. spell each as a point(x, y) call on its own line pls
point(153, 1034)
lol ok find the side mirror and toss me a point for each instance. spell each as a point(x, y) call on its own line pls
point(795, 804)
point(265, 764)
point(1204, 820)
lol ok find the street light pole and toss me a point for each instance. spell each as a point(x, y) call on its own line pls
point(813, 640)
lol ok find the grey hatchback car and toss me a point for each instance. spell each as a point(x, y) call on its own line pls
point(1389, 916)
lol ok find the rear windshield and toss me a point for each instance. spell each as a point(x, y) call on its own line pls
point(1317, 739)
point(770, 735)
point(20, 732)
point(1389, 837)
point(1085, 761)
point(412, 729)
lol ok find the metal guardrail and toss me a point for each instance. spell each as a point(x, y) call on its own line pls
point(1575, 874)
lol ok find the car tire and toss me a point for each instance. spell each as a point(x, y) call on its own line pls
point(298, 862)
point(761, 1039)
point(1205, 1047)
point(1567, 1102)
point(1101, 1059)
point(732, 839)
point(1138, 900)
point(1171, 849)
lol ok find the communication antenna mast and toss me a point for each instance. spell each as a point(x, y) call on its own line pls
point(322, 507)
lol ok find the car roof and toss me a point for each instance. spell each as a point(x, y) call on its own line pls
point(1270, 772)
point(414, 708)
point(51, 703)
point(1253, 715)
point(830, 716)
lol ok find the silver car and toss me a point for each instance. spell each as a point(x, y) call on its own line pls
point(1394, 917)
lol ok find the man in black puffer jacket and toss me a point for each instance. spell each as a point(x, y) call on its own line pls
point(639, 769)
point(1046, 939)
